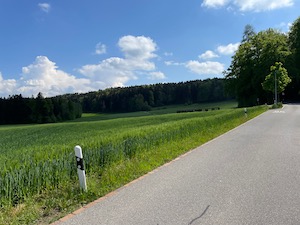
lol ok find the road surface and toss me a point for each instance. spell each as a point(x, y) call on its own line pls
point(250, 175)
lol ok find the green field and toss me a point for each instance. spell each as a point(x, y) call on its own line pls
point(38, 179)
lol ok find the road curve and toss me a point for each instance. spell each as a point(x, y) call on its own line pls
point(250, 175)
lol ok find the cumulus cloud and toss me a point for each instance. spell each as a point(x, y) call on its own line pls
point(200, 68)
point(229, 49)
point(214, 3)
point(111, 72)
point(208, 55)
point(116, 72)
point(262, 5)
point(44, 76)
point(137, 48)
point(45, 7)
point(156, 76)
point(7, 87)
point(172, 63)
point(249, 5)
point(205, 68)
point(100, 49)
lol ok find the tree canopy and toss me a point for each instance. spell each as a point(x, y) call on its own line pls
point(282, 79)
point(252, 61)
point(19, 110)
point(293, 65)
point(143, 98)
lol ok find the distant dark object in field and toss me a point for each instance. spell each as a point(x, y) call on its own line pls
point(197, 110)
point(185, 111)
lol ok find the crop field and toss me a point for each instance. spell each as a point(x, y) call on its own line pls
point(38, 176)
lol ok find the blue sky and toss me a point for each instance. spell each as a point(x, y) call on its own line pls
point(60, 46)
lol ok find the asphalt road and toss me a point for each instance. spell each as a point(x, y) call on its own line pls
point(250, 175)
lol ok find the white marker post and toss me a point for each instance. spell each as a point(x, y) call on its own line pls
point(245, 110)
point(80, 167)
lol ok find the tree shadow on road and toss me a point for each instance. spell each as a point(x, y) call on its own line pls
point(199, 216)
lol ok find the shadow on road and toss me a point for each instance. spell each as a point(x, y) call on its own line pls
point(199, 216)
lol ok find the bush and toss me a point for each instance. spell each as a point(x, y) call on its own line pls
point(277, 106)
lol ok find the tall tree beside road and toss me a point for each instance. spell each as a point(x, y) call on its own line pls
point(282, 79)
point(251, 64)
point(294, 60)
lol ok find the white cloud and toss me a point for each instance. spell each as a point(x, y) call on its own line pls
point(229, 49)
point(111, 72)
point(115, 71)
point(201, 68)
point(7, 87)
point(262, 5)
point(140, 47)
point(100, 49)
point(169, 63)
point(172, 63)
point(249, 5)
point(44, 76)
point(214, 3)
point(208, 55)
point(168, 53)
point(156, 76)
point(45, 7)
point(284, 27)
point(205, 68)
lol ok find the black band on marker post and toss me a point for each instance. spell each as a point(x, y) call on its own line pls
point(79, 162)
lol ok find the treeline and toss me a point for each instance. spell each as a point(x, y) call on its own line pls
point(252, 62)
point(143, 98)
point(19, 110)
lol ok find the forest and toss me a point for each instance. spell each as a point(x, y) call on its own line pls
point(252, 63)
point(19, 110)
point(143, 98)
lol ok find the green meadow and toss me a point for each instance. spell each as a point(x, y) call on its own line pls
point(38, 176)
